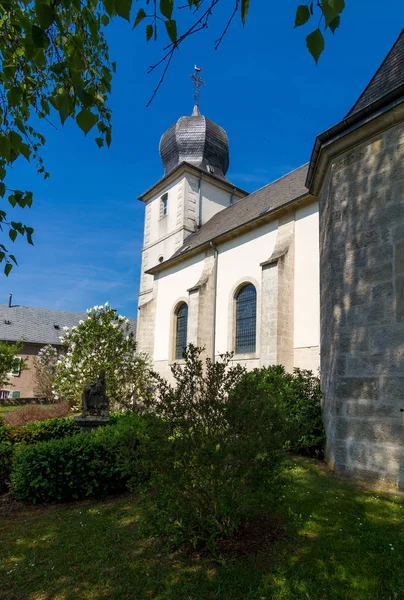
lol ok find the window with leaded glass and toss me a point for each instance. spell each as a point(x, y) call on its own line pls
point(181, 330)
point(246, 320)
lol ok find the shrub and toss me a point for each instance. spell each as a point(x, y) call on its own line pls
point(299, 395)
point(6, 459)
point(87, 464)
point(36, 412)
point(215, 446)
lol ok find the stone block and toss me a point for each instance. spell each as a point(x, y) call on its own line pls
point(357, 387)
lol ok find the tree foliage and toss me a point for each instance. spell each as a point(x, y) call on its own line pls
point(9, 361)
point(102, 342)
point(45, 368)
point(55, 62)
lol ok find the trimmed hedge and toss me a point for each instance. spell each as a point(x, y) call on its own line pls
point(88, 464)
point(39, 431)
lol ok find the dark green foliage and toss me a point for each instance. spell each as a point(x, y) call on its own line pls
point(6, 461)
point(210, 452)
point(87, 464)
point(299, 396)
point(39, 431)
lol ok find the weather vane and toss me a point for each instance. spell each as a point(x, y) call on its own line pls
point(198, 82)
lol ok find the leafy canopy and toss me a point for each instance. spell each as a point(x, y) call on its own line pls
point(102, 342)
point(55, 65)
point(9, 361)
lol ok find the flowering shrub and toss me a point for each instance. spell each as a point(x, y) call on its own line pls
point(88, 464)
point(45, 367)
point(213, 445)
point(102, 342)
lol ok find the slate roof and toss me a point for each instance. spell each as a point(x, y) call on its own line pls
point(198, 141)
point(272, 196)
point(388, 77)
point(37, 325)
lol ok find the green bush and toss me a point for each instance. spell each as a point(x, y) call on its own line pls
point(299, 396)
point(6, 459)
point(39, 431)
point(88, 464)
point(213, 445)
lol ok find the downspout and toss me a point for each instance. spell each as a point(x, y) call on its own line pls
point(216, 255)
point(232, 196)
point(199, 221)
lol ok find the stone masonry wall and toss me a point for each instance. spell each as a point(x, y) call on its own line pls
point(362, 309)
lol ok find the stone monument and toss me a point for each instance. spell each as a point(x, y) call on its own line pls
point(95, 404)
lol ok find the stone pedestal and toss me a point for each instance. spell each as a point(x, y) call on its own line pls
point(90, 422)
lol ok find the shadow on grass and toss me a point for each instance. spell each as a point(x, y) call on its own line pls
point(337, 547)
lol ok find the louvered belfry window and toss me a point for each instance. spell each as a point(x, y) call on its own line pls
point(246, 320)
point(181, 330)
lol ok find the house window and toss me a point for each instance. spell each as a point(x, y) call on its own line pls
point(181, 327)
point(246, 320)
point(163, 205)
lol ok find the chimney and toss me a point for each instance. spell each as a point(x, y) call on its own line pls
point(10, 299)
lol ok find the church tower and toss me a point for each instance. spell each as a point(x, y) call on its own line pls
point(195, 156)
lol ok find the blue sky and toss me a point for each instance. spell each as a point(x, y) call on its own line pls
point(262, 86)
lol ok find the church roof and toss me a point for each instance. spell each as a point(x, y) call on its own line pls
point(198, 141)
point(388, 77)
point(385, 90)
point(273, 196)
point(38, 325)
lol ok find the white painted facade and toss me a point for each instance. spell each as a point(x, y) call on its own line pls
point(307, 288)
point(238, 260)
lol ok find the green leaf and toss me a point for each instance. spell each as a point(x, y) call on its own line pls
point(14, 95)
point(13, 259)
point(171, 27)
point(104, 20)
point(29, 232)
point(7, 269)
point(302, 15)
point(139, 17)
point(113, 65)
point(331, 9)
point(12, 234)
point(2, 172)
point(123, 8)
point(86, 120)
point(149, 32)
point(166, 8)
point(334, 24)
point(25, 150)
point(28, 199)
point(315, 44)
point(2, 189)
point(64, 105)
point(12, 200)
point(45, 14)
point(39, 37)
point(245, 5)
point(99, 141)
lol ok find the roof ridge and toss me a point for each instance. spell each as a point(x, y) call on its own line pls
point(382, 64)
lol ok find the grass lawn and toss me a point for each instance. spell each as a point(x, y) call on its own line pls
point(7, 409)
point(341, 543)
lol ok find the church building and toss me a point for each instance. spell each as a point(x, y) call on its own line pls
point(310, 265)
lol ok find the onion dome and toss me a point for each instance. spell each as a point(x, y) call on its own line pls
point(198, 141)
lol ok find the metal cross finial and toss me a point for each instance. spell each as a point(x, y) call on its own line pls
point(198, 82)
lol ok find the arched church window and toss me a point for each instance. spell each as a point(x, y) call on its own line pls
point(246, 319)
point(181, 328)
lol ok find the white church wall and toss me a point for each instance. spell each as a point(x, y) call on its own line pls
point(214, 200)
point(239, 260)
point(173, 287)
point(307, 288)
